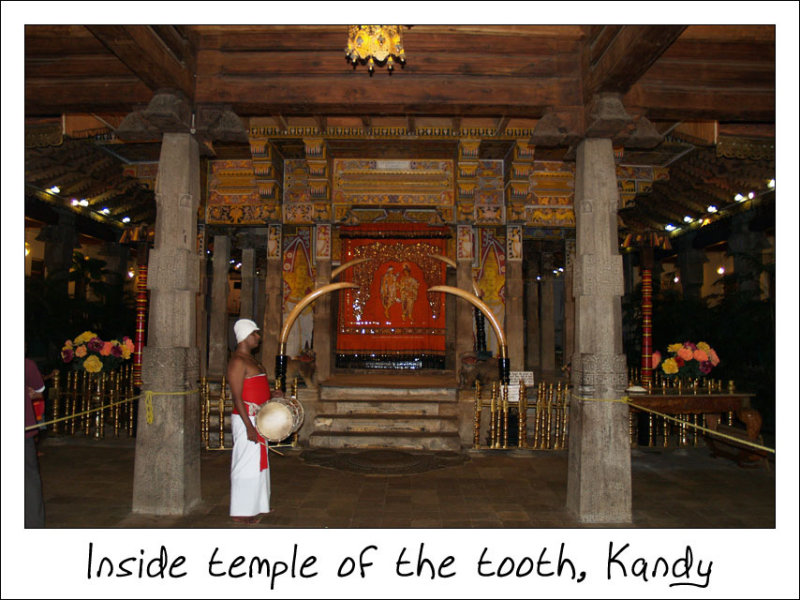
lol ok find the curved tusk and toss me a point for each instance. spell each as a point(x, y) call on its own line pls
point(480, 305)
point(448, 261)
point(308, 299)
point(347, 265)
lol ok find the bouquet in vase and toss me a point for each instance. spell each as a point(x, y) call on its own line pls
point(89, 353)
point(687, 360)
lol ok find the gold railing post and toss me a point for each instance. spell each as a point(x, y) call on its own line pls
point(505, 415)
point(204, 401)
point(55, 399)
point(86, 403)
point(476, 426)
point(222, 414)
point(493, 426)
point(565, 419)
point(522, 436)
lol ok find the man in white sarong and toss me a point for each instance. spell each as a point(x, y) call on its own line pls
point(250, 485)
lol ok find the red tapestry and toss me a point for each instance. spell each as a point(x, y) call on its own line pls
point(391, 319)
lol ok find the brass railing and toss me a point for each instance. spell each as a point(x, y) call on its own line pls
point(91, 404)
point(547, 415)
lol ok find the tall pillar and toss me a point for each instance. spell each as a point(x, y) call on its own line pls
point(569, 301)
point(690, 264)
point(218, 322)
point(532, 276)
point(322, 306)
point(547, 324)
point(166, 477)
point(746, 248)
point(464, 312)
point(273, 312)
point(60, 242)
point(514, 320)
point(599, 468)
point(247, 291)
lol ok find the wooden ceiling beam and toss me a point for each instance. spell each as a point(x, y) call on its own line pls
point(631, 52)
point(145, 53)
point(502, 123)
point(697, 103)
point(421, 95)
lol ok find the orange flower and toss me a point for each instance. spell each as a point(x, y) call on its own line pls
point(80, 351)
point(700, 356)
point(712, 355)
point(686, 353)
point(106, 351)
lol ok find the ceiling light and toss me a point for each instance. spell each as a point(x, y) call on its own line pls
point(84, 202)
point(131, 274)
point(751, 195)
point(106, 210)
point(670, 227)
point(721, 271)
point(739, 198)
point(712, 209)
point(771, 184)
point(688, 219)
point(676, 279)
point(75, 202)
point(54, 190)
point(126, 219)
point(370, 43)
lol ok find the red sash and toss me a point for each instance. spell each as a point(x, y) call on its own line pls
point(255, 390)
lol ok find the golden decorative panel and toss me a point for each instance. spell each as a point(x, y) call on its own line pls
point(362, 182)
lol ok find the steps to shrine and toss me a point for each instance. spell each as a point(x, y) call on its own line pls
point(384, 414)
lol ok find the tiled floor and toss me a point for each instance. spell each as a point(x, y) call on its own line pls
point(88, 484)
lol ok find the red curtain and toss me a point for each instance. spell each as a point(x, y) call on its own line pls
point(391, 318)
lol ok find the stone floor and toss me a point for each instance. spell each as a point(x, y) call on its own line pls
point(88, 484)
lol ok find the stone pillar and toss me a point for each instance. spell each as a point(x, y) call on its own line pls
point(746, 248)
point(515, 324)
point(218, 322)
point(547, 325)
point(464, 310)
point(60, 242)
point(202, 314)
point(166, 478)
point(690, 264)
point(247, 291)
point(599, 468)
point(532, 357)
point(116, 258)
point(273, 313)
point(322, 321)
point(569, 301)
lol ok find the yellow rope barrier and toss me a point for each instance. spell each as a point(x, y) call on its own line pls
point(148, 398)
point(627, 400)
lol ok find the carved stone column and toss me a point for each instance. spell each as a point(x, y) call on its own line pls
point(167, 466)
point(569, 300)
point(690, 263)
point(532, 357)
point(746, 247)
point(218, 321)
point(464, 311)
point(248, 271)
point(515, 322)
point(322, 306)
point(547, 324)
point(599, 477)
point(273, 313)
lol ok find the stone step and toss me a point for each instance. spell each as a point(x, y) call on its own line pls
point(355, 407)
point(400, 440)
point(384, 422)
point(387, 394)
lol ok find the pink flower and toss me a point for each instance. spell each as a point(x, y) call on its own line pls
point(95, 344)
point(690, 345)
point(705, 367)
point(700, 356)
point(713, 357)
point(80, 351)
point(116, 351)
point(655, 360)
point(66, 354)
point(686, 353)
point(106, 351)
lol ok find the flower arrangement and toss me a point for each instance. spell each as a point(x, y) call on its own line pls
point(687, 360)
point(89, 353)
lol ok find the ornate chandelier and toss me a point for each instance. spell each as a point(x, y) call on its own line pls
point(371, 43)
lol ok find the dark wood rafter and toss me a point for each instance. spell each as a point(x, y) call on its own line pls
point(148, 55)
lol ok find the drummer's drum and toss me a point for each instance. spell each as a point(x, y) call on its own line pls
point(279, 418)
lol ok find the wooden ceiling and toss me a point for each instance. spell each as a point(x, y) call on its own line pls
point(491, 78)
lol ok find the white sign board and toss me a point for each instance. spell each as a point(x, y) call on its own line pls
point(514, 378)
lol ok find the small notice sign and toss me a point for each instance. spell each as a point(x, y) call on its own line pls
point(514, 378)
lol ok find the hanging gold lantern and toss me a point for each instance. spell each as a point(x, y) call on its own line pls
point(375, 43)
